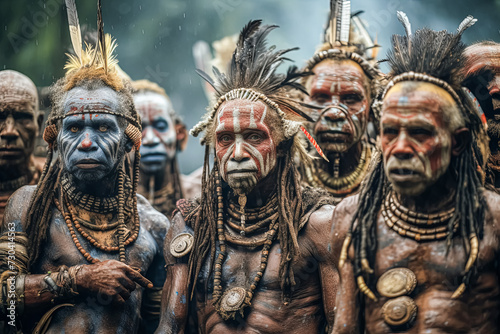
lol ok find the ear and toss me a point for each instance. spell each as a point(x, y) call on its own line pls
point(39, 119)
point(182, 136)
point(461, 138)
point(129, 145)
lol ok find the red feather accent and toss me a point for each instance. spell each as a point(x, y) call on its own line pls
point(314, 143)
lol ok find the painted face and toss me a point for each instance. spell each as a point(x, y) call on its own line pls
point(339, 88)
point(92, 145)
point(159, 142)
point(245, 149)
point(415, 136)
point(18, 118)
point(487, 57)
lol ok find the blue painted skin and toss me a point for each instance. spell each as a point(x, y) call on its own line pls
point(92, 144)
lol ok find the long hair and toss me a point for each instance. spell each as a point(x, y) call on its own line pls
point(440, 55)
point(41, 204)
point(203, 219)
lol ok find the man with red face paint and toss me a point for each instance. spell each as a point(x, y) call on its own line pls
point(252, 255)
point(164, 135)
point(342, 87)
point(20, 122)
point(482, 77)
point(80, 252)
point(419, 246)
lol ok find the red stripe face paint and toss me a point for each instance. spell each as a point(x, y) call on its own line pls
point(340, 87)
point(417, 125)
point(245, 149)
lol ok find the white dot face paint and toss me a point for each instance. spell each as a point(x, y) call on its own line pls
point(91, 145)
point(245, 149)
point(339, 87)
point(415, 137)
point(159, 137)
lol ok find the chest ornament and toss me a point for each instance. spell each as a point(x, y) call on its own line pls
point(181, 245)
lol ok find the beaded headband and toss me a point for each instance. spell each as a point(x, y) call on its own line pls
point(290, 127)
point(335, 53)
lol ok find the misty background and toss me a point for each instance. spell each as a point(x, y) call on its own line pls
point(155, 37)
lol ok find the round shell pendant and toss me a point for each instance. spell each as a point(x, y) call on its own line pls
point(181, 245)
point(233, 299)
point(397, 282)
point(399, 311)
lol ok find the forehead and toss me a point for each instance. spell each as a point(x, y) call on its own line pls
point(343, 69)
point(417, 97)
point(17, 92)
point(150, 104)
point(239, 114)
point(97, 100)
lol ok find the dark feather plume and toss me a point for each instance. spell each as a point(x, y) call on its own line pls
point(254, 66)
point(101, 36)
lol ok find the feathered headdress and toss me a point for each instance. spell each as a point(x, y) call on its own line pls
point(252, 75)
point(95, 62)
point(346, 36)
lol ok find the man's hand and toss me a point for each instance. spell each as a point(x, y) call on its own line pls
point(111, 278)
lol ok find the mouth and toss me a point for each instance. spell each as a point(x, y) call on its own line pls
point(8, 152)
point(404, 174)
point(241, 171)
point(88, 164)
point(153, 157)
point(334, 136)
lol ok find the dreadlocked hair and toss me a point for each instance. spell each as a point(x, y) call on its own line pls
point(440, 55)
point(203, 219)
point(41, 204)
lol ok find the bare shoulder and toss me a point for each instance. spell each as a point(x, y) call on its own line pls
point(493, 210)
point(342, 218)
point(17, 207)
point(152, 220)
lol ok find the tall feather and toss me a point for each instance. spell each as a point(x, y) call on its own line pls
point(101, 36)
point(74, 29)
point(345, 22)
point(403, 18)
point(468, 22)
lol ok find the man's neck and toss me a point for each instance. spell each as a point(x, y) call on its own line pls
point(160, 179)
point(347, 161)
point(259, 195)
point(12, 172)
point(436, 198)
point(103, 188)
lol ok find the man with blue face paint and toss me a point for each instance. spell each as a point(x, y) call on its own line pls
point(164, 135)
point(87, 248)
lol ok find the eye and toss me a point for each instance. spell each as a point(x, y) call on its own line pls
point(224, 139)
point(74, 129)
point(390, 131)
point(321, 98)
point(352, 98)
point(255, 137)
point(420, 132)
point(161, 125)
point(103, 128)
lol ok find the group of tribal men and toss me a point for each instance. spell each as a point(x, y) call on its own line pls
point(332, 199)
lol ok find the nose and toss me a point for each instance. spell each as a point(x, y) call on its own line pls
point(334, 115)
point(402, 148)
point(240, 154)
point(9, 131)
point(87, 144)
point(149, 138)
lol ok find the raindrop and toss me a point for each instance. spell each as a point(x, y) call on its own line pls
point(140, 7)
point(143, 31)
point(184, 15)
point(180, 28)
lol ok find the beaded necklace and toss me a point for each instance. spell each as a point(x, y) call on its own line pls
point(233, 301)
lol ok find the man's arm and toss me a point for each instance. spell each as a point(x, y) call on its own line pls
point(176, 294)
point(347, 301)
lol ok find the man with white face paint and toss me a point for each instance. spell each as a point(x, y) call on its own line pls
point(164, 135)
point(254, 250)
point(423, 215)
point(342, 87)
